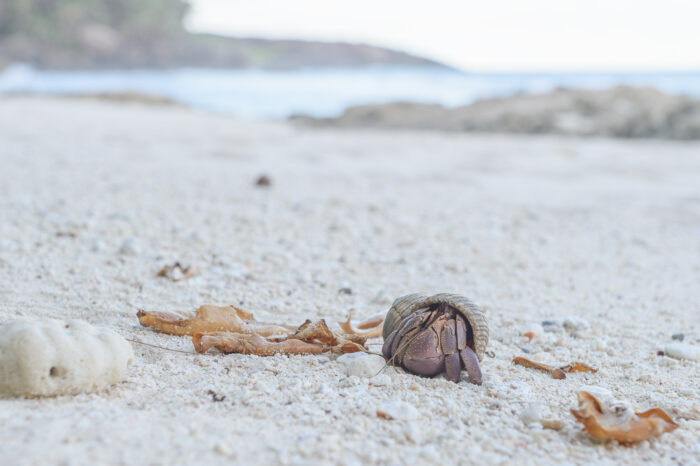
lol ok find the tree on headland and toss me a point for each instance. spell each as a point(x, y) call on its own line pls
point(150, 34)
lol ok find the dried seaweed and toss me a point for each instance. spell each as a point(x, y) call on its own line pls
point(209, 318)
point(177, 272)
point(310, 338)
point(232, 330)
point(556, 372)
point(372, 327)
point(614, 420)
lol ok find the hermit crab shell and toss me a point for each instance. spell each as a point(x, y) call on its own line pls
point(411, 303)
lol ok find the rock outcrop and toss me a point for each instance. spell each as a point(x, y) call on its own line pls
point(621, 112)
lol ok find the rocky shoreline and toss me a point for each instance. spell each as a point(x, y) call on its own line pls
point(620, 112)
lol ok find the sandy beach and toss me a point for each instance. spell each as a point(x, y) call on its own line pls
point(96, 197)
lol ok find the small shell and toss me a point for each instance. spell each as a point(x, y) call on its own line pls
point(408, 304)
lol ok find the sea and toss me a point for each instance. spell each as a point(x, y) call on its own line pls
point(263, 94)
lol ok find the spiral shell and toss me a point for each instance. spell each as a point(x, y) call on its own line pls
point(411, 303)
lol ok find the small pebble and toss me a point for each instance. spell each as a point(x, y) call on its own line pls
point(130, 247)
point(222, 449)
point(264, 181)
point(381, 380)
point(678, 336)
point(397, 410)
point(532, 331)
point(345, 290)
point(531, 413)
point(361, 364)
point(682, 351)
point(574, 323)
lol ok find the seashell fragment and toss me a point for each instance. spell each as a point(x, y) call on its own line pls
point(609, 419)
point(682, 351)
point(55, 357)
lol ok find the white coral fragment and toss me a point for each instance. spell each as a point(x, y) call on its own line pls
point(54, 357)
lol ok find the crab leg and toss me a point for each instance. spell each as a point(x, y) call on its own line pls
point(448, 345)
point(471, 364)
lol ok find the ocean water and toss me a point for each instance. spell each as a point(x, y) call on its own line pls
point(324, 92)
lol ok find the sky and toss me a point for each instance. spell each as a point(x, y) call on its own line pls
point(485, 35)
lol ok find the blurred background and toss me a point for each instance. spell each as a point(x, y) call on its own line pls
point(633, 66)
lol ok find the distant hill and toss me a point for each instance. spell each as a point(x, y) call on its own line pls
point(89, 34)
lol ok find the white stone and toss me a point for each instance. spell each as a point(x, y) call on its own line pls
point(361, 364)
point(130, 247)
point(682, 351)
point(397, 410)
point(532, 413)
point(381, 380)
point(54, 357)
point(574, 323)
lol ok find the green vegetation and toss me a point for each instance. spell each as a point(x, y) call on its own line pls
point(150, 34)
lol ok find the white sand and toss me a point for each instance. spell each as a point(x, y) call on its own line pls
point(530, 228)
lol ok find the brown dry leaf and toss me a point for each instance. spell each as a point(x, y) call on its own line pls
point(209, 318)
point(316, 332)
point(227, 342)
point(177, 272)
point(385, 415)
point(373, 326)
point(554, 371)
point(554, 424)
point(578, 367)
point(615, 420)
point(311, 338)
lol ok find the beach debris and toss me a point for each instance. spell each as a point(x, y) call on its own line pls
point(553, 424)
point(233, 330)
point(532, 331)
point(678, 336)
point(263, 181)
point(396, 410)
point(130, 247)
point(215, 397)
point(362, 364)
point(532, 414)
point(209, 318)
point(440, 333)
point(682, 351)
point(370, 328)
point(607, 418)
point(310, 338)
point(345, 290)
point(570, 323)
point(55, 357)
point(177, 272)
point(556, 372)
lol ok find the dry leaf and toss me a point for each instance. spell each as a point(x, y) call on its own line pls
point(578, 367)
point(177, 272)
point(310, 338)
point(373, 326)
point(553, 424)
point(554, 371)
point(227, 342)
point(209, 318)
point(615, 419)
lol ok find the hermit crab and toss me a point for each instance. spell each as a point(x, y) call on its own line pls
point(440, 333)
